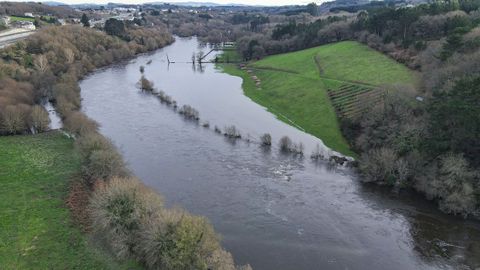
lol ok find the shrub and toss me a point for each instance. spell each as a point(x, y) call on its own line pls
point(145, 84)
point(297, 148)
point(217, 130)
point(64, 107)
point(14, 118)
point(118, 208)
point(454, 185)
point(379, 165)
point(266, 139)
point(69, 90)
point(317, 153)
point(285, 144)
point(221, 260)
point(177, 240)
point(161, 95)
point(91, 142)
point(168, 100)
point(189, 112)
point(39, 119)
point(103, 164)
point(232, 132)
point(79, 124)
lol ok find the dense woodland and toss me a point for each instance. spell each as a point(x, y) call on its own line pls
point(18, 8)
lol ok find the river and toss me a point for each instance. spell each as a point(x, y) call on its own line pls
point(274, 211)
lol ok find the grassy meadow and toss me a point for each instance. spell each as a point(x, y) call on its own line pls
point(16, 18)
point(295, 84)
point(36, 230)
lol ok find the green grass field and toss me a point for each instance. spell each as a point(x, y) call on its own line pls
point(295, 84)
point(15, 18)
point(36, 231)
point(229, 56)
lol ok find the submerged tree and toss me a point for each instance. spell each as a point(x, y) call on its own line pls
point(266, 139)
point(145, 84)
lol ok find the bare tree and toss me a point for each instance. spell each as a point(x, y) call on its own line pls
point(41, 63)
point(39, 119)
point(69, 55)
point(14, 118)
point(200, 56)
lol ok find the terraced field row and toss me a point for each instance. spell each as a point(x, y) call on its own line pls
point(350, 100)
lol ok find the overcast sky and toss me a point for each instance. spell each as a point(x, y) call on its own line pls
point(249, 2)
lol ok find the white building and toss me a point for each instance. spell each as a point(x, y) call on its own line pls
point(29, 14)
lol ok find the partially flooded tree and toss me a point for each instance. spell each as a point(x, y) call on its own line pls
point(317, 153)
point(189, 112)
point(266, 139)
point(232, 132)
point(298, 148)
point(200, 56)
point(285, 144)
point(145, 84)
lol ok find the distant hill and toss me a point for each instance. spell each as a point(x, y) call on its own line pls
point(356, 5)
point(54, 4)
point(196, 4)
point(20, 8)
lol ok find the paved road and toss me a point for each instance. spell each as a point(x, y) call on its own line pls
point(10, 39)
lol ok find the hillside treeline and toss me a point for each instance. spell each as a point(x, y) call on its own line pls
point(115, 207)
point(19, 8)
point(402, 33)
point(48, 65)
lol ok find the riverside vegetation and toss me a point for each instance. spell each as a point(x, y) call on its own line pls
point(118, 211)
